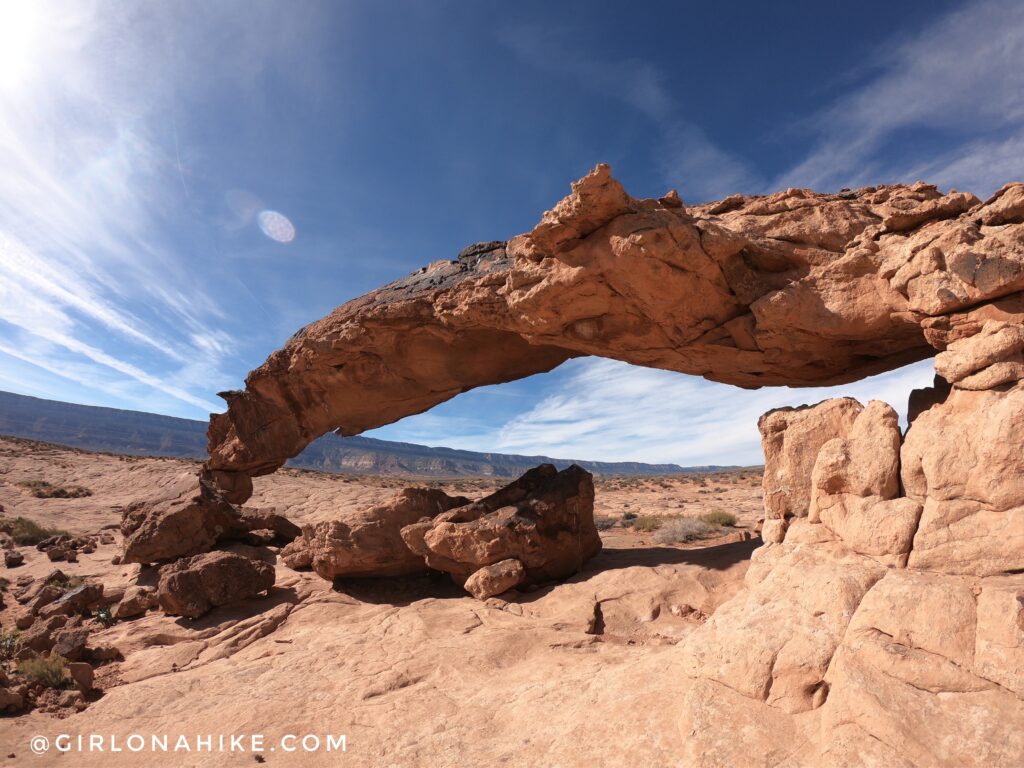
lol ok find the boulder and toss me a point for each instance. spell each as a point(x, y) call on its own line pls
point(284, 530)
point(185, 516)
point(545, 520)
point(39, 637)
point(13, 558)
point(194, 585)
point(369, 542)
point(85, 597)
point(70, 642)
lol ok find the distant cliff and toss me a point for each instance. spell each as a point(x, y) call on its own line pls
point(149, 434)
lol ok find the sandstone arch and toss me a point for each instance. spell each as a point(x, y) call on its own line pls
point(794, 288)
point(882, 620)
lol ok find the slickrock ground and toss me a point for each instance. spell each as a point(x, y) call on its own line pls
point(881, 624)
point(413, 670)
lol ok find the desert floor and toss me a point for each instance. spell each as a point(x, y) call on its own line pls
point(412, 671)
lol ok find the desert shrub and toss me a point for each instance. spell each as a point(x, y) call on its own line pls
point(27, 532)
point(41, 489)
point(604, 523)
point(718, 517)
point(49, 671)
point(647, 523)
point(105, 617)
point(8, 644)
point(629, 515)
point(683, 529)
point(5, 583)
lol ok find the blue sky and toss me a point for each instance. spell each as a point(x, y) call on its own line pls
point(143, 145)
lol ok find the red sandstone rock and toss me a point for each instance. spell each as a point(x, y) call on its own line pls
point(186, 516)
point(545, 520)
point(192, 586)
point(794, 288)
point(369, 542)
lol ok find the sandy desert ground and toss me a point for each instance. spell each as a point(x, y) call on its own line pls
point(411, 670)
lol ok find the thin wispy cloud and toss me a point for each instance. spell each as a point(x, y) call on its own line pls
point(91, 232)
point(961, 76)
point(686, 156)
point(611, 411)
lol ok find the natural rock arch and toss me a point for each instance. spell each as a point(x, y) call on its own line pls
point(795, 288)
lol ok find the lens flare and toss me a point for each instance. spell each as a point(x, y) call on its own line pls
point(276, 226)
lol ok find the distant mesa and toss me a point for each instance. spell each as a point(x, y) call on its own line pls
point(149, 434)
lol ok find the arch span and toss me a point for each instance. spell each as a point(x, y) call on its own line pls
point(795, 288)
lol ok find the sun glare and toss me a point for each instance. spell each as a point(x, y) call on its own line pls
point(19, 41)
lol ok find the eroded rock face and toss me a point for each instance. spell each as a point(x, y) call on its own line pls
point(191, 586)
point(544, 520)
point(886, 627)
point(962, 461)
point(791, 439)
point(369, 542)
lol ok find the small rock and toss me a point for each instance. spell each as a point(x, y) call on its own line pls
point(494, 579)
point(136, 601)
point(103, 653)
point(10, 701)
point(24, 621)
point(39, 636)
point(70, 699)
point(45, 596)
point(13, 558)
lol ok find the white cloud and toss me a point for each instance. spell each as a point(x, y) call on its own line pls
point(962, 75)
point(607, 410)
point(92, 205)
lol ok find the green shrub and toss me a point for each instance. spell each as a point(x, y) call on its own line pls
point(50, 671)
point(27, 532)
point(604, 523)
point(684, 529)
point(105, 617)
point(629, 515)
point(718, 517)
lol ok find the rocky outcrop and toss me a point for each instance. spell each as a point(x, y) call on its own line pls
point(192, 586)
point(544, 520)
point(893, 612)
point(369, 542)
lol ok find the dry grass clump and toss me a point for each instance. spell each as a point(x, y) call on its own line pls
point(49, 671)
point(27, 532)
point(647, 523)
point(680, 530)
point(41, 489)
point(718, 517)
